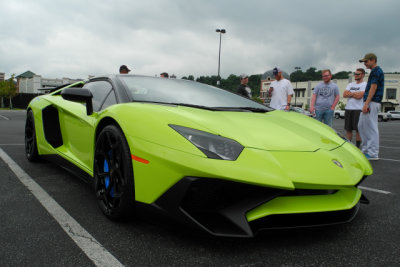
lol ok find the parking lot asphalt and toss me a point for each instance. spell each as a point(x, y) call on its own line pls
point(30, 235)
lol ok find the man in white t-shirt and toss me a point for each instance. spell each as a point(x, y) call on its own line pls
point(354, 92)
point(281, 91)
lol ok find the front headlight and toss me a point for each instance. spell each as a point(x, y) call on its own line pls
point(213, 146)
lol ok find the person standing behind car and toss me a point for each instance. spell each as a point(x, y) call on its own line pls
point(324, 99)
point(243, 89)
point(368, 124)
point(354, 92)
point(124, 69)
point(280, 91)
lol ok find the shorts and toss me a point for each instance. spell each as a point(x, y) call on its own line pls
point(351, 118)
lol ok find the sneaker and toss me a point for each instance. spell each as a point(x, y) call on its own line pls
point(370, 158)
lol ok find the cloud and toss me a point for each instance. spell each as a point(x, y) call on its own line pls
point(75, 39)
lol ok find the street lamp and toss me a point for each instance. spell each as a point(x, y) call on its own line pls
point(295, 92)
point(221, 31)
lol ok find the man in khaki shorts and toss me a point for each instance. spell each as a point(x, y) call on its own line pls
point(354, 93)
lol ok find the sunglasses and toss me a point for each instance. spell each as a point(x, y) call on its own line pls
point(357, 73)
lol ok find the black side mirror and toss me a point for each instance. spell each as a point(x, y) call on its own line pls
point(79, 95)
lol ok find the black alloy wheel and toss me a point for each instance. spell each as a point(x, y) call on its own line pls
point(113, 174)
point(31, 150)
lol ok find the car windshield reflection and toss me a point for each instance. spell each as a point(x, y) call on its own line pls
point(188, 93)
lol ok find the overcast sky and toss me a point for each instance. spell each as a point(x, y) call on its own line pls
point(77, 38)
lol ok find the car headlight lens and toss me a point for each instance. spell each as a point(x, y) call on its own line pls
point(213, 146)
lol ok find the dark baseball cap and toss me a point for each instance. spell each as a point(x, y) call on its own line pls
point(124, 67)
point(276, 70)
point(369, 56)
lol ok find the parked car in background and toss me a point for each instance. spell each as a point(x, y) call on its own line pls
point(339, 114)
point(394, 114)
point(382, 116)
point(300, 110)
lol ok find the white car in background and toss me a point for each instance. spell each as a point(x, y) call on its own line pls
point(382, 116)
point(394, 114)
point(338, 114)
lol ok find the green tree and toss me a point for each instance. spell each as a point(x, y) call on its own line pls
point(341, 105)
point(254, 84)
point(230, 83)
point(2, 92)
point(8, 89)
point(341, 75)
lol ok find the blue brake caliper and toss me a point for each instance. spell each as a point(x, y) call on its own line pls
point(107, 179)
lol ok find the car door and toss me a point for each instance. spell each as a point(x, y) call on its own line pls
point(78, 129)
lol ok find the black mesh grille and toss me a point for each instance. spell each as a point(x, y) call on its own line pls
point(220, 206)
point(304, 219)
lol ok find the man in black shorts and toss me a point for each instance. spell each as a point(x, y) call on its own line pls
point(354, 93)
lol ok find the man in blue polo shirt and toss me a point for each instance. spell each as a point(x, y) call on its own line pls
point(368, 123)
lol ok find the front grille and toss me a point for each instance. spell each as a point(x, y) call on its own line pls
point(220, 206)
point(284, 221)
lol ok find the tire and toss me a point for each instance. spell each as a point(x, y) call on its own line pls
point(337, 116)
point(380, 118)
point(31, 151)
point(113, 174)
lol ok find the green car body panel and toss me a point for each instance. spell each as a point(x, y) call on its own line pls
point(281, 150)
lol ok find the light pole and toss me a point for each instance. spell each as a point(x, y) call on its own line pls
point(221, 31)
point(295, 92)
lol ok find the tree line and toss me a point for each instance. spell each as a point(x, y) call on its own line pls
point(232, 81)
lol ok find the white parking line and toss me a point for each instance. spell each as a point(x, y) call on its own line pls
point(87, 243)
point(395, 160)
point(12, 144)
point(4, 117)
point(374, 190)
point(391, 147)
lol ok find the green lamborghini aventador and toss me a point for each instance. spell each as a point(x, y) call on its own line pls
point(204, 155)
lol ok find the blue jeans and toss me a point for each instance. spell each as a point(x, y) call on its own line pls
point(324, 116)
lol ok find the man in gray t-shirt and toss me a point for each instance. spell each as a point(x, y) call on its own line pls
point(324, 99)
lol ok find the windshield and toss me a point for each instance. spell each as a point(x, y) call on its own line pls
point(184, 92)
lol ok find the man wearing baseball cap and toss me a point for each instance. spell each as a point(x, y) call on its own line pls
point(124, 69)
point(368, 123)
point(281, 91)
point(243, 89)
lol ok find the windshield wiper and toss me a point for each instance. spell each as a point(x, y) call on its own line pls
point(195, 106)
point(252, 109)
point(180, 104)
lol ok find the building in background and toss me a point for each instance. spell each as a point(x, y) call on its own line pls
point(303, 90)
point(30, 83)
point(2, 76)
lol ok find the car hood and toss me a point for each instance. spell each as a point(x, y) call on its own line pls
point(273, 131)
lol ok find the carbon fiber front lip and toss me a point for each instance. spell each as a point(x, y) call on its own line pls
point(219, 207)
